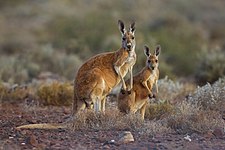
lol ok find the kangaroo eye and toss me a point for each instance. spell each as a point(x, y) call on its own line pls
point(133, 38)
point(124, 38)
point(149, 61)
point(156, 61)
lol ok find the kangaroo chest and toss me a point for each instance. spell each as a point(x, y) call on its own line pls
point(131, 59)
point(153, 76)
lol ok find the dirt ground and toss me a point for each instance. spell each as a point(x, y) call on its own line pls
point(12, 115)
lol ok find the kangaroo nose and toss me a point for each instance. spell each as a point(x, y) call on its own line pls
point(128, 46)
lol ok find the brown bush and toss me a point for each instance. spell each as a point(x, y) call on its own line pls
point(56, 93)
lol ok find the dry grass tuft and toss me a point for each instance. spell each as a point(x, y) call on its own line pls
point(14, 93)
point(210, 96)
point(191, 118)
point(159, 111)
point(174, 91)
point(198, 110)
point(56, 93)
point(114, 120)
point(111, 119)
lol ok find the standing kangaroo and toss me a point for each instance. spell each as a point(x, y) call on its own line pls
point(101, 73)
point(137, 98)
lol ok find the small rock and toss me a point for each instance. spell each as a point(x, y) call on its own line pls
point(111, 141)
point(125, 137)
point(187, 138)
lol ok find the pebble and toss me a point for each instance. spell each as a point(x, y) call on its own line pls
point(125, 137)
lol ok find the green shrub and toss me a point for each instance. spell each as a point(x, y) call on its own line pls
point(52, 60)
point(211, 66)
point(12, 69)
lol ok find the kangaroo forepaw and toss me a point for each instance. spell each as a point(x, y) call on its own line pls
point(123, 91)
point(153, 96)
point(149, 96)
point(129, 91)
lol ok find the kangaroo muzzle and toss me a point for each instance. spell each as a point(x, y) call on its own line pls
point(129, 46)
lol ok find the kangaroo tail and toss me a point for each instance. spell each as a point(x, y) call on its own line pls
point(43, 126)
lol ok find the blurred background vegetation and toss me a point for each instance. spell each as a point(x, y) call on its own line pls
point(57, 36)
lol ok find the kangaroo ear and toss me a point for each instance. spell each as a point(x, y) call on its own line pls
point(132, 27)
point(157, 50)
point(121, 26)
point(147, 51)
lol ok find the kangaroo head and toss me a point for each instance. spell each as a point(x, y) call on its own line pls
point(128, 39)
point(152, 59)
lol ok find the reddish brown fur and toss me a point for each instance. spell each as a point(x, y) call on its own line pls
point(99, 74)
point(137, 98)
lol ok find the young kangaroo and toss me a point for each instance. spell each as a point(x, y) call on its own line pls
point(99, 74)
point(137, 98)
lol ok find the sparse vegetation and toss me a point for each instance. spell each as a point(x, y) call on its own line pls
point(188, 115)
point(192, 111)
point(56, 93)
point(112, 119)
point(211, 66)
point(190, 118)
point(14, 93)
point(210, 97)
point(160, 110)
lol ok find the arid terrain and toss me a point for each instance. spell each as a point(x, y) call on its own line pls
point(13, 115)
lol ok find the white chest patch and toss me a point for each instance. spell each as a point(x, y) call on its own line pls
point(153, 76)
point(131, 57)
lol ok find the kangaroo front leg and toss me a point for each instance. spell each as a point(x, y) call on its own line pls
point(103, 104)
point(142, 111)
point(117, 69)
point(131, 77)
point(144, 83)
point(97, 105)
point(156, 85)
